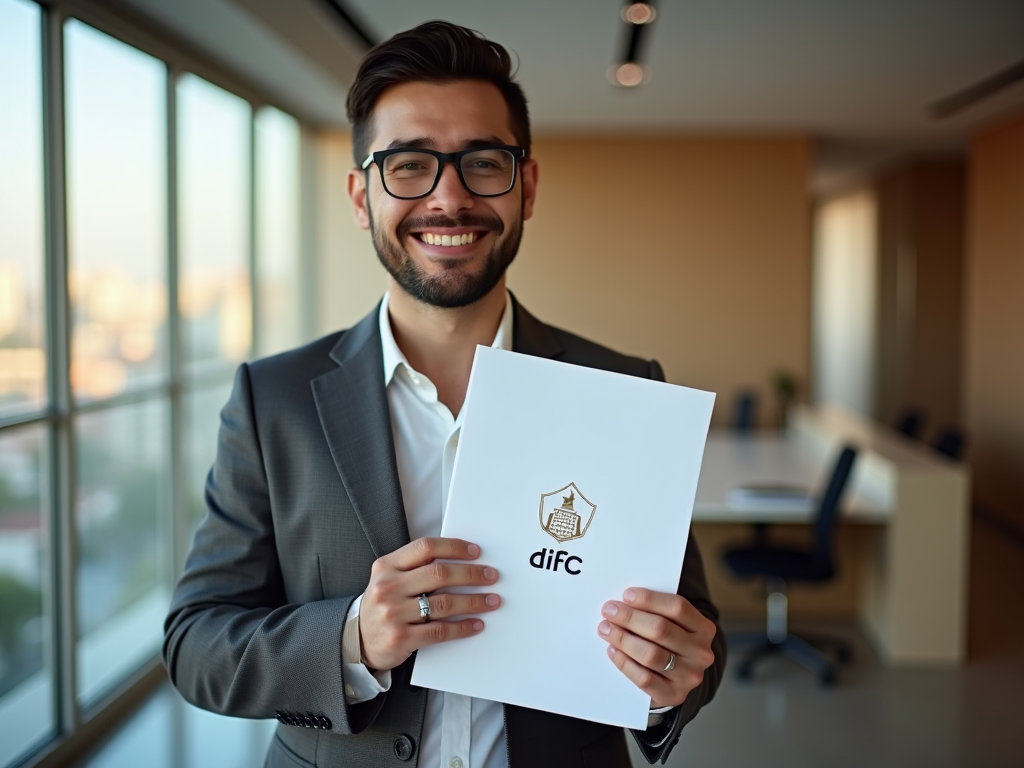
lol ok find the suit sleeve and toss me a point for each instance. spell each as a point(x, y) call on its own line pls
point(657, 742)
point(232, 643)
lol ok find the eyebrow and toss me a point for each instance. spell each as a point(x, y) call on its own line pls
point(424, 142)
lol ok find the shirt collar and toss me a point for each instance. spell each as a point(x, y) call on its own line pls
point(393, 356)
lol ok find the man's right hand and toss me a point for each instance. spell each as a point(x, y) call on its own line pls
point(390, 626)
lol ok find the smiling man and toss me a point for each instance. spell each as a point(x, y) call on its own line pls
point(319, 570)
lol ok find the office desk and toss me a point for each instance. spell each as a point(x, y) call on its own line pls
point(910, 504)
point(732, 460)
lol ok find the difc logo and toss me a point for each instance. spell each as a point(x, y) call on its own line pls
point(563, 521)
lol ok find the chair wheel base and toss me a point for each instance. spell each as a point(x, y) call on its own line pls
point(800, 651)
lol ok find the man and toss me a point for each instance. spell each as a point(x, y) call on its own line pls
point(319, 570)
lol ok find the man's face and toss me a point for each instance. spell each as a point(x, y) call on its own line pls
point(445, 118)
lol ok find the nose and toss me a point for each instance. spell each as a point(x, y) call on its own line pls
point(450, 195)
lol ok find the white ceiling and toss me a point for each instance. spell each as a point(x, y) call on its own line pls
point(844, 69)
point(855, 74)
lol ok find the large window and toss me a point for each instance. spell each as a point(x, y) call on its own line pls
point(149, 242)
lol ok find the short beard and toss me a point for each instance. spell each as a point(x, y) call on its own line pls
point(453, 287)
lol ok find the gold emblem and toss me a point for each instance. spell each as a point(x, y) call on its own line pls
point(569, 519)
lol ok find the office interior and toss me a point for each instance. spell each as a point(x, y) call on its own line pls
point(788, 206)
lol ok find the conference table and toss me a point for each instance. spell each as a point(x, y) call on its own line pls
point(910, 505)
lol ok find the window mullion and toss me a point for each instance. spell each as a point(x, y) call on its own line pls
point(179, 527)
point(254, 281)
point(63, 559)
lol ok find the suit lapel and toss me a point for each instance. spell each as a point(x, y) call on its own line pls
point(353, 408)
point(530, 336)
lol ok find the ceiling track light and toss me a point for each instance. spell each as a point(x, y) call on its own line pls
point(630, 71)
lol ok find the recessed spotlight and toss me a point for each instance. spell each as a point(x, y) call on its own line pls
point(627, 75)
point(638, 13)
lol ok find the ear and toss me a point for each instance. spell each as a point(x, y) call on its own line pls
point(528, 173)
point(357, 194)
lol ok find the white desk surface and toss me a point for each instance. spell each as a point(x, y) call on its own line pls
point(731, 460)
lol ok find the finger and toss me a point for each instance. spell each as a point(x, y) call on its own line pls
point(440, 575)
point(424, 550)
point(651, 626)
point(668, 604)
point(434, 632)
point(644, 652)
point(444, 605)
point(651, 683)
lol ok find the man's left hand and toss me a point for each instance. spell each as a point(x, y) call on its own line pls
point(645, 629)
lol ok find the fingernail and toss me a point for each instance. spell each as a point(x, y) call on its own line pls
point(610, 609)
point(473, 549)
point(491, 600)
point(629, 595)
point(490, 574)
point(611, 651)
point(477, 626)
point(604, 627)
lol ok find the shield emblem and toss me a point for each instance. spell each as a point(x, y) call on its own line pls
point(566, 514)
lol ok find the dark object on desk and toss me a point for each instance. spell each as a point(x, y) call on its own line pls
point(745, 416)
point(910, 422)
point(950, 442)
point(779, 566)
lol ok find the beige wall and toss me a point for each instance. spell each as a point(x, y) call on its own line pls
point(994, 380)
point(920, 291)
point(349, 278)
point(699, 257)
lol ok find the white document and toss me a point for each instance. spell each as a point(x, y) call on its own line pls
point(576, 484)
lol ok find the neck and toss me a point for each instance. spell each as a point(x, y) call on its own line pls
point(440, 342)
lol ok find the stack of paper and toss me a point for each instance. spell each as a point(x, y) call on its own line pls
point(786, 498)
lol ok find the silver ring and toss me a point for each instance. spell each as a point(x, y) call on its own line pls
point(425, 609)
point(671, 663)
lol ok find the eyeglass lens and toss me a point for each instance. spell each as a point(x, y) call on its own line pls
point(486, 172)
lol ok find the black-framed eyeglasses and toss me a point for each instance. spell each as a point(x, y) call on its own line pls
point(409, 173)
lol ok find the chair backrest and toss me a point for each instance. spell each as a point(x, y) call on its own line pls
point(745, 415)
point(910, 422)
point(950, 442)
point(828, 510)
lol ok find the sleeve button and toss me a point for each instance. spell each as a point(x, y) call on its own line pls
point(404, 747)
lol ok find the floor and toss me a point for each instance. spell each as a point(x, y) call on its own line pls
point(971, 717)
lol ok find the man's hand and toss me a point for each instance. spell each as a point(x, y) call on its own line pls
point(645, 629)
point(390, 626)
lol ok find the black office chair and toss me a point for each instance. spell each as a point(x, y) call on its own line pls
point(745, 414)
point(950, 442)
point(779, 566)
point(911, 422)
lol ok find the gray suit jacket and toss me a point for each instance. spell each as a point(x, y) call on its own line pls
point(303, 497)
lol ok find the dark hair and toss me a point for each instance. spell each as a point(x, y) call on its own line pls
point(434, 52)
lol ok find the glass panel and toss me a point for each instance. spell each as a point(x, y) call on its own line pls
point(117, 231)
point(277, 231)
point(122, 469)
point(26, 690)
point(213, 211)
point(22, 310)
point(202, 422)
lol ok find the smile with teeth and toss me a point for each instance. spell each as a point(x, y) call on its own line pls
point(431, 239)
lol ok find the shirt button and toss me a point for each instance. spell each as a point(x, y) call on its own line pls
point(456, 762)
point(350, 691)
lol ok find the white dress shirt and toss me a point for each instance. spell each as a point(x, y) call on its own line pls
point(458, 731)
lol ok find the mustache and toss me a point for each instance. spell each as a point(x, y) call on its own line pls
point(492, 223)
